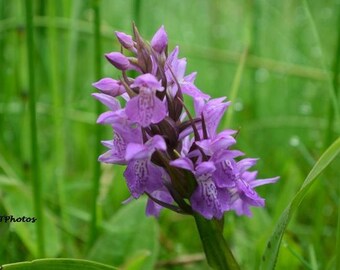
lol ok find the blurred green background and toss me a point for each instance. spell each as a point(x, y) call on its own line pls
point(278, 62)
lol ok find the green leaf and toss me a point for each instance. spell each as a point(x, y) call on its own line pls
point(137, 261)
point(127, 235)
point(57, 264)
point(270, 255)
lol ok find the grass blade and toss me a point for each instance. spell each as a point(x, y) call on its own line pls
point(334, 114)
point(33, 128)
point(236, 85)
point(335, 81)
point(97, 73)
point(270, 255)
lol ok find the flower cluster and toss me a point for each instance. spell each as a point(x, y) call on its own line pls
point(178, 159)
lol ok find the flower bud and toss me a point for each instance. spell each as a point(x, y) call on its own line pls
point(159, 40)
point(109, 86)
point(118, 60)
point(125, 40)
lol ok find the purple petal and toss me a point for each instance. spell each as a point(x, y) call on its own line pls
point(125, 40)
point(136, 175)
point(199, 104)
point(146, 108)
point(248, 194)
point(154, 65)
point(191, 90)
point(156, 142)
point(142, 176)
point(205, 168)
point(260, 182)
point(172, 56)
point(110, 87)
point(159, 40)
point(184, 163)
point(222, 155)
point(178, 68)
point(241, 208)
point(213, 111)
point(112, 158)
point(190, 78)
point(109, 101)
point(246, 163)
point(225, 176)
point(210, 146)
point(115, 118)
point(107, 118)
point(148, 81)
point(136, 151)
point(205, 199)
point(153, 208)
point(131, 133)
point(117, 147)
point(119, 60)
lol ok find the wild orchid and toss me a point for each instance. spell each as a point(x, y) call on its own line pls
point(175, 157)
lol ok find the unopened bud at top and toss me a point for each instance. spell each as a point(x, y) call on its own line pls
point(159, 40)
point(125, 40)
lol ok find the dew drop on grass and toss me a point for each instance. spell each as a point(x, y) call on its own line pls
point(305, 108)
point(294, 141)
point(261, 75)
point(238, 106)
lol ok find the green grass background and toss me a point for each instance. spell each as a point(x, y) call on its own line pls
point(277, 60)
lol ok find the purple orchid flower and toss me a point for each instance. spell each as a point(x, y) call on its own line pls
point(178, 160)
point(146, 107)
point(141, 174)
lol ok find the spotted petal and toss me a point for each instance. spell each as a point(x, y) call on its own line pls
point(146, 108)
point(142, 176)
point(208, 200)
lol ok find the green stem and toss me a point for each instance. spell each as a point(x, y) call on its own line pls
point(37, 197)
point(215, 247)
point(96, 172)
